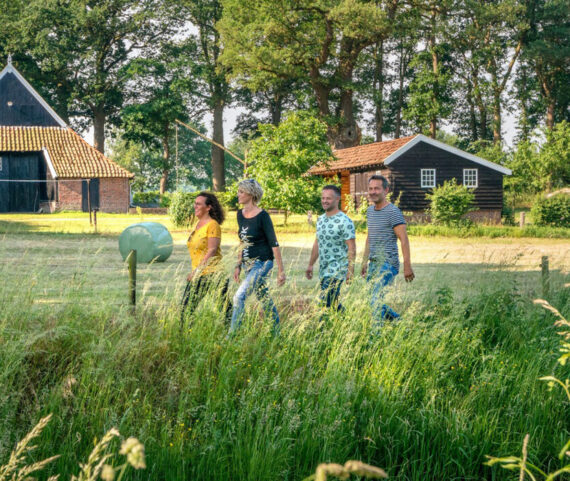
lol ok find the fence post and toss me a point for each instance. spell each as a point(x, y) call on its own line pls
point(545, 277)
point(132, 260)
point(95, 219)
point(521, 220)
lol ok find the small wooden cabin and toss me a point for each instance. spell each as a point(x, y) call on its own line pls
point(414, 166)
point(44, 164)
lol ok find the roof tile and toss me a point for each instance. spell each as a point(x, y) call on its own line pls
point(70, 155)
point(361, 156)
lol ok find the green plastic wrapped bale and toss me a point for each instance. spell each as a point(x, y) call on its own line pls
point(151, 240)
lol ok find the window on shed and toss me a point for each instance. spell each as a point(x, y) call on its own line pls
point(427, 178)
point(470, 178)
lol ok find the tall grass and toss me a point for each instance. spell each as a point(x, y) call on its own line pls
point(426, 399)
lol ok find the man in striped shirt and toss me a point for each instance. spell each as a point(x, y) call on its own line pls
point(381, 262)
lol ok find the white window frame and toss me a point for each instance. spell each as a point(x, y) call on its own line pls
point(468, 180)
point(428, 173)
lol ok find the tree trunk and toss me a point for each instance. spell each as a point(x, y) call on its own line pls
point(472, 116)
point(276, 108)
point(347, 133)
point(401, 71)
point(550, 114)
point(99, 119)
point(379, 90)
point(497, 118)
point(435, 69)
point(218, 171)
point(165, 164)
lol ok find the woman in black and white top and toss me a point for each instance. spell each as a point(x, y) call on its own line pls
point(260, 250)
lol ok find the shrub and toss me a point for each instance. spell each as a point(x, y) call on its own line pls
point(363, 207)
point(149, 198)
point(449, 203)
point(553, 211)
point(350, 207)
point(181, 208)
point(507, 214)
point(229, 198)
point(165, 199)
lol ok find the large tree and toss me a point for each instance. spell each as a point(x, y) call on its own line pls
point(214, 92)
point(150, 118)
point(281, 157)
point(83, 48)
point(315, 41)
point(547, 52)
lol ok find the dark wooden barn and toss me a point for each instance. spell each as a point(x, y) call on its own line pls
point(414, 166)
point(44, 164)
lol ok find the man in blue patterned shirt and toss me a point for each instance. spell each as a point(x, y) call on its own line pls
point(380, 263)
point(335, 247)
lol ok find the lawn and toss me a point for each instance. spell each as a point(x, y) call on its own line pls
point(427, 399)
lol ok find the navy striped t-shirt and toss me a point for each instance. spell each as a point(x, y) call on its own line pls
point(383, 241)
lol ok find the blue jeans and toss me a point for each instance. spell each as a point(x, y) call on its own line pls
point(381, 275)
point(330, 291)
point(254, 281)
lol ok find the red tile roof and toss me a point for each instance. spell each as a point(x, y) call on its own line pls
point(70, 155)
point(361, 155)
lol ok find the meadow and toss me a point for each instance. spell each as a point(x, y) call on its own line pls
point(428, 398)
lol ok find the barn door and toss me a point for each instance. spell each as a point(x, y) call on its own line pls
point(89, 194)
point(4, 186)
point(24, 195)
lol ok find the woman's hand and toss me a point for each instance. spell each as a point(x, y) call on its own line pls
point(190, 276)
point(281, 278)
point(237, 271)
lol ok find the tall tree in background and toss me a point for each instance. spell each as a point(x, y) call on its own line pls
point(150, 120)
point(430, 98)
point(87, 45)
point(316, 41)
point(495, 32)
point(547, 51)
point(215, 92)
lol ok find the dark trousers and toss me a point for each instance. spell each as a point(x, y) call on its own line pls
point(195, 291)
point(330, 291)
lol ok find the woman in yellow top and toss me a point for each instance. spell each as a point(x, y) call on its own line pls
point(204, 248)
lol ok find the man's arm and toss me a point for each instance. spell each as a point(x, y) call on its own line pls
point(312, 260)
point(351, 243)
point(401, 233)
point(365, 257)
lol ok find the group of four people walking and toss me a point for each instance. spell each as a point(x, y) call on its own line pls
point(334, 247)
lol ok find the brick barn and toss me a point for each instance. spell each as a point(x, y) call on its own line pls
point(414, 166)
point(46, 165)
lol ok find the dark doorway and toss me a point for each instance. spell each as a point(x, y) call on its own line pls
point(90, 196)
point(22, 192)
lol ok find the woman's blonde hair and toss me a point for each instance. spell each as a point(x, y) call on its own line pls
point(251, 187)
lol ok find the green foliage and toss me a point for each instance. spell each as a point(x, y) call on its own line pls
point(552, 211)
point(521, 464)
point(449, 203)
point(554, 159)
point(349, 205)
point(281, 157)
point(146, 198)
point(181, 210)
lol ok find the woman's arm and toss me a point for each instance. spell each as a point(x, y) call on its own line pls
point(278, 259)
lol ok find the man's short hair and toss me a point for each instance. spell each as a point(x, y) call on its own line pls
point(381, 178)
point(334, 188)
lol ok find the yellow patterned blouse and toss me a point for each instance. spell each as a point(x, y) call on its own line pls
point(198, 246)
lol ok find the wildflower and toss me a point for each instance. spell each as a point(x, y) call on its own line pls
point(134, 450)
point(107, 473)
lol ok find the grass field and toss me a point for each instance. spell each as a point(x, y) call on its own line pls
point(427, 399)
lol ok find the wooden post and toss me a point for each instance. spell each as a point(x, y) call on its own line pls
point(521, 220)
point(545, 278)
point(132, 260)
point(95, 219)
